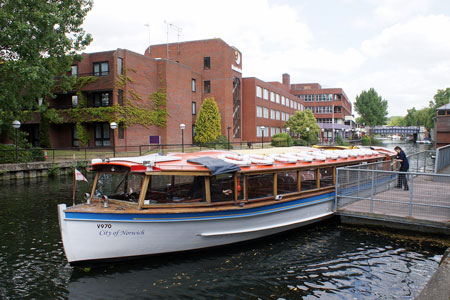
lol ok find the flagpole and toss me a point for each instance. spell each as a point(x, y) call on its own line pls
point(74, 186)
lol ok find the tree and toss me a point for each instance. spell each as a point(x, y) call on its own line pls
point(442, 97)
point(39, 40)
point(299, 123)
point(207, 125)
point(396, 121)
point(372, 108)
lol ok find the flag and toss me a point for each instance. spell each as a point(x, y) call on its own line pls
point(79, 176)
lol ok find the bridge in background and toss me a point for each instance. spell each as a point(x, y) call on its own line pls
point(401, 130)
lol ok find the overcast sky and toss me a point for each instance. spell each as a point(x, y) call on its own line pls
point(399, 47)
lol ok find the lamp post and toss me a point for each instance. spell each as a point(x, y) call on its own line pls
point(322, 135)
point(288, 130)
point(262, 136)
point(113, 126)
point(228, 129)
point(16, 124)
point(182, 127)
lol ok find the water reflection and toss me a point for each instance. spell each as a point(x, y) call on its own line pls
point(325, 261)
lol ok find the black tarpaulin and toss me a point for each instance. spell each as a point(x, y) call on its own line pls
point(215, 165)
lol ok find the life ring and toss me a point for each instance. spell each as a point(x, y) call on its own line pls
point(239, 160)
point(284, 158)
point(260, 159)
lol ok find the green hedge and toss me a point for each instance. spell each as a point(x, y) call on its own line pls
point(281, 140)
point(8, 154)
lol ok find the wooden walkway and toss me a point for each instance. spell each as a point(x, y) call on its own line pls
point(430, 202)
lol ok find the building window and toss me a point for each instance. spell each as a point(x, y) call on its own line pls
point(102, 135)
point(207, 87)
point(258, 92)
point(273, 131)
point(74, 101)
point(206, 63)
point(120, 66)
point(272, 114)
point(74, 71)
point(272, 96)
point(194, 85)
point(266, 113)
point(121, 132)
point(277, 115)
point(259, 131)
point(259, 111)
point(120, 97)
point(295, 105)
point(277, 98)
point(266, 94)
point(75, 140)
point(283, 100)
point(101, 99)
point(309, 98)
point(283, 116)
point(287, 102)
point(194, 108)
point(101, 69)
point(287, 116)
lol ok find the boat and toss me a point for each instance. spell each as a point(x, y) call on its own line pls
point(425, 141)
point(159, 204)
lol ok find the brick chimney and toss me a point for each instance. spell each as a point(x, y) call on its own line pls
point(287, 81)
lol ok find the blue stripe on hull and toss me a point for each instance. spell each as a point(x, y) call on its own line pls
point(161, 217)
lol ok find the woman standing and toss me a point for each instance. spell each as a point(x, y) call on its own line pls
point(404, 167)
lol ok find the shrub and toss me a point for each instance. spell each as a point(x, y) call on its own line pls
point(300, 142)
point(281, 140)
point(8, 154)
point(53, 170)
point(365, 140)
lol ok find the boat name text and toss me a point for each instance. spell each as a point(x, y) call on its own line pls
point(104, 226)
point(120, 232)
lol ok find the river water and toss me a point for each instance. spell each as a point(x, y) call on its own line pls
point(323, 261)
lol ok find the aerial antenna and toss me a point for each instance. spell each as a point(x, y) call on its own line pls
point(148, 26)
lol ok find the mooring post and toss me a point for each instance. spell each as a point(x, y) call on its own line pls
point(411, 189)
point(371, 191)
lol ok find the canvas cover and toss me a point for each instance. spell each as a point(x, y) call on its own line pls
point(215, 165)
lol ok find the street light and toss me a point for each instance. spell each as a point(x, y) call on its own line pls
point(307, 131)
point(228, 129)
point(262, 136)
point(287, 130)
point(16, 125)
point(182, 127)
point(113, 126)
point(323, 139)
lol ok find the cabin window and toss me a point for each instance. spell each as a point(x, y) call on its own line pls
point(119, 186)
point(326, 177)
point(287, 182)
point(260, 186)
point(222, 188)
point(308, 178)
point(176, 189)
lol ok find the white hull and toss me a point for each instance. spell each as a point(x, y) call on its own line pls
point(100, 237)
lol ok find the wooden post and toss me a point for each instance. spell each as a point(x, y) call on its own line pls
point(275, 184)
point(299, 181)
point(208, 189)
point(317, 178)
point(143, 191)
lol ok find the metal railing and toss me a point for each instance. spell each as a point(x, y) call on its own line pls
point(374, 189)
point(442, 158)
point(87, 153)
point(422, 161)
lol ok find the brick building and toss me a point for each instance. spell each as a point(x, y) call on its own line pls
point(268, 105)
point(144, 76)
point(219, 69)
point(187, 73)
point(442, 126)
point(328, 105)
